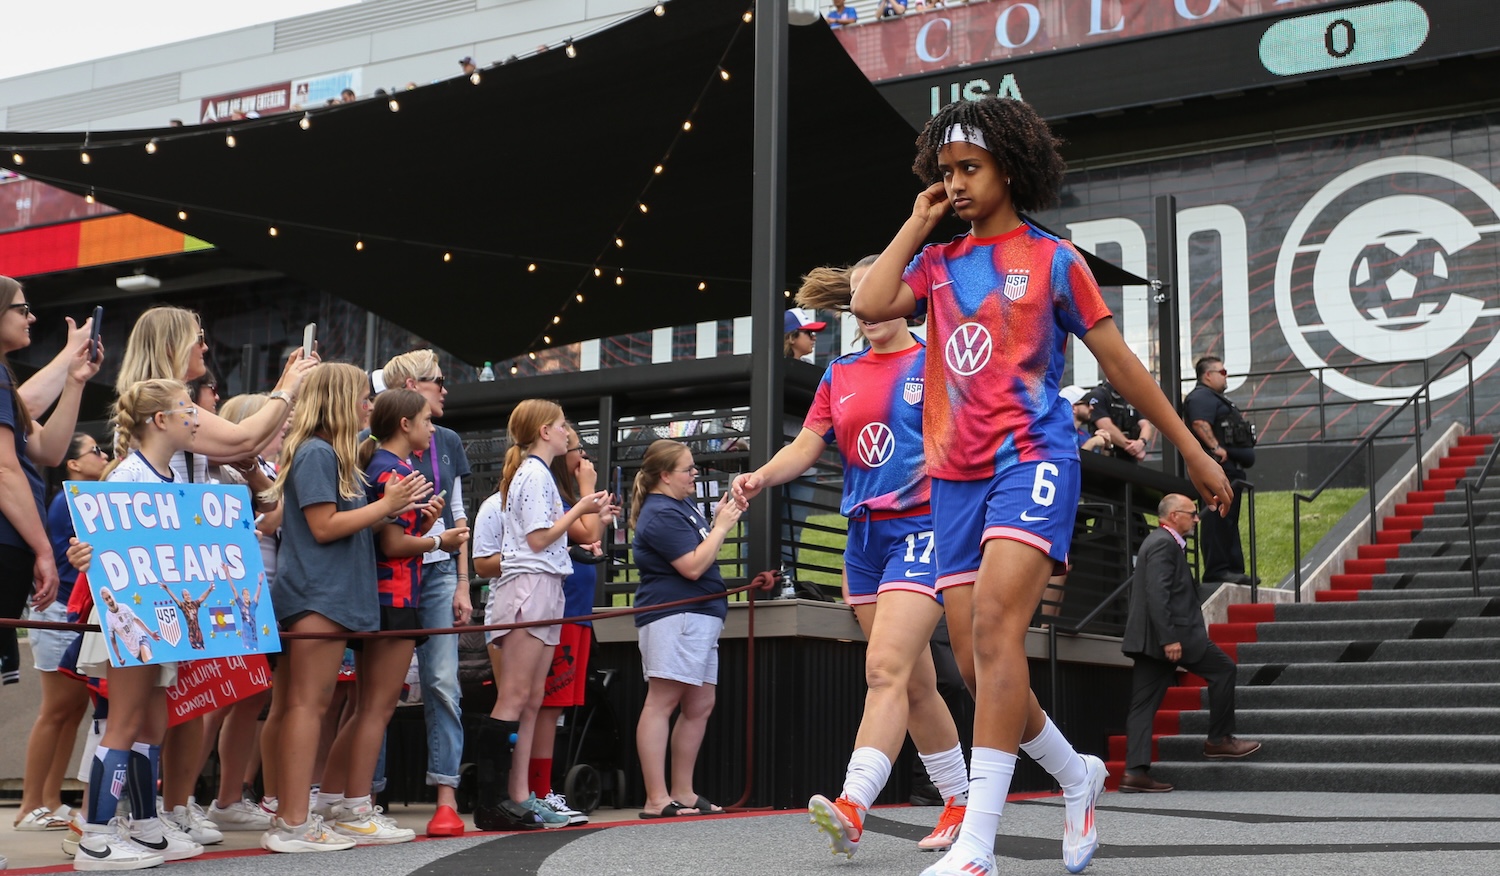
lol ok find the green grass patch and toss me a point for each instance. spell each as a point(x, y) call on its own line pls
point(1273, 528)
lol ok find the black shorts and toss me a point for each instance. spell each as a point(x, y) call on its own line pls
point(394, 619)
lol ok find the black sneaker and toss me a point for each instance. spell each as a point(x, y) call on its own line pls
point(509, 815)
point(925, 794)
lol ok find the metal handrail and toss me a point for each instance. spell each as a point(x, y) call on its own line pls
point(1247, 490)
point(1470, 488)
point(1366, 446)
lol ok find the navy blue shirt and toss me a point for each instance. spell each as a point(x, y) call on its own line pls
point(11, 417)
point(668, 529)
point(578, 588)
point(59, 531)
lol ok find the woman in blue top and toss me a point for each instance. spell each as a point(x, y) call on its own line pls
point(64, 698)
point(675, 549)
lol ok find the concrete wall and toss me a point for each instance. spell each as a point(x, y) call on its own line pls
point(18, 708)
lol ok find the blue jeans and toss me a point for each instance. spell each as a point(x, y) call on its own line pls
point(437, 662)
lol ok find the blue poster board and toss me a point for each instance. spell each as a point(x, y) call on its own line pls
point(177, 573)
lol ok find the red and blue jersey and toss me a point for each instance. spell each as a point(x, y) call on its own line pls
point(999, 312)
point(870, 405)
point(399, 578)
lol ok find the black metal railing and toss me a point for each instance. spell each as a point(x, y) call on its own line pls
point(1366, 447)
point(1470, 488)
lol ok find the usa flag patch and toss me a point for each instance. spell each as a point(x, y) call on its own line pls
point(1015, 285)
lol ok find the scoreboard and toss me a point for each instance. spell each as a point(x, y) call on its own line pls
point(1338, 39)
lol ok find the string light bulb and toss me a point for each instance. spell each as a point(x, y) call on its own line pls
point(619, 279)
point(748, 17)
point(89, 198)
point(532, 356)
point(569, 49)
point(547, 339)
point(619, 243)
point(359, 246)
point(723, 74)
point(17, 158)
point(702, 286)
point(474, 78)
point(151, 147)
point(579, 296)
point(598, 272)
point(658, 169)
point(642, 206)
point(83, 158)
point(660, 10)
point(230, 141)
point(514, 370)
point(272, 231)
point(395, 105)
point(531, 268)
point(447, 257)
point(556, 320)
point(305, 122)
point(181, 215)
point(687, 125)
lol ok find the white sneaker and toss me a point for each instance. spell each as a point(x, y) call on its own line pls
point(1080, 838)
point(369, 826)
point(559, 804)
point(239, 815)
point(200, 813)
point(957, 863)
point(164, 838)
point(73, 835)
point(109, 847)
point(314, 836)
point(200, 830)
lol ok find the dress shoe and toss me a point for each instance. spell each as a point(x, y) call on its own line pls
point(1241, 578)
point(1142, 784)
point(1231, 746)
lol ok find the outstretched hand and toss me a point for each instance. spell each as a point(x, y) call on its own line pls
point(746, 487)
point(1213, 485)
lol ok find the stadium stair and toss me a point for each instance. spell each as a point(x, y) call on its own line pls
point(1389, 682)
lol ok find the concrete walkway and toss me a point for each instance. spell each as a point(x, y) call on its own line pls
point(1188, 833)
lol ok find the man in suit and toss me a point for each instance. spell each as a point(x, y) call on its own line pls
point(1164, 630)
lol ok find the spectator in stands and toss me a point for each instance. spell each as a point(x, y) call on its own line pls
point(841, 14)
point(204, 391)
point(892, 8)
point(467, 63)
point(174, 123)
point(1130, 435)
point(1229, 438)
point(1089, 439)
point(1163, 630)
point(64, 698)
point(348, 96)
point(675, 552)
point(801, 336)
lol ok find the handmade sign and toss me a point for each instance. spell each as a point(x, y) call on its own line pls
point(177, 572)
point(205, 685)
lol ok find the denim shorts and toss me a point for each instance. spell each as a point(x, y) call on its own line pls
point(47, 646)
point(682, 647)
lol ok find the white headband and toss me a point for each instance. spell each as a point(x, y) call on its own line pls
point(956, 134)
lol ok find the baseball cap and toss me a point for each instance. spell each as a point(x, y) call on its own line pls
point(1073, 394)
point(465, 60)
point(795, 321)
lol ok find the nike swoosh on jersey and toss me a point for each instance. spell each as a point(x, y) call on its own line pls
point(1029, 519)
point(942, 284)
point(911, 574)
point(847, 397)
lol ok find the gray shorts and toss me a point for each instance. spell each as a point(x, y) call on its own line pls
point(47, 646)
point(530, 596)
point(682, 647)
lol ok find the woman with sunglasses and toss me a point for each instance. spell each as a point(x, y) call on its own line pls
point(64, 698)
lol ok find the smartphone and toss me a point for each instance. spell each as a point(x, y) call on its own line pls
point(619, 476)
point(95, 352)
point(309, 338)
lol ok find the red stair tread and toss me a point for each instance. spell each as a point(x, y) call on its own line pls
point(1166, 723)
point(1230, 633)
point(1230, 648)
point(1393, 536)
point(1399, 522)
point(1427, 496)
point(1365, 567)
point(1419, 509)
point(1475, 440)
point(1117, 747)
point(1259, 612)
point(1431, 483)
point(1378, 552)
point(1187, 699)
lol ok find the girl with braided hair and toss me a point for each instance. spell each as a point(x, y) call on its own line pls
point(1001, 300)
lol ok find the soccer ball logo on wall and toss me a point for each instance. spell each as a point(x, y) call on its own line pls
point(1384, 287)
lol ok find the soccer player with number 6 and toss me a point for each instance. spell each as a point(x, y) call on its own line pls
point(1001, 301)
point(870, 403)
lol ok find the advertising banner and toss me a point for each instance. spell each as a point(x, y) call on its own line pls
point(177, 571)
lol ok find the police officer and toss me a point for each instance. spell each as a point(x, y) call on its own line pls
point(1129, 435)
point(1230, 438)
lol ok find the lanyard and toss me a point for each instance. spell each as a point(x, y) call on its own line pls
point(437, 479)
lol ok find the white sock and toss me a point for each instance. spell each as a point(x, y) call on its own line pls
point(948, 772)
point(1055, 754)
point(989, 782)
point(353, 803)
point(330, 800)
point(869, 770)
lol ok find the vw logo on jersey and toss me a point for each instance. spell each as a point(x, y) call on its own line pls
point(1380, 241)
point(968, 348)
point(1015, 284)
point(876, 444)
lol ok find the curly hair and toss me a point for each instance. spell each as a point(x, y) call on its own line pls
point(1019, 139)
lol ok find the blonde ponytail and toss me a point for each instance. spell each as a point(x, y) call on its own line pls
point(135, 407)
point(525, 429)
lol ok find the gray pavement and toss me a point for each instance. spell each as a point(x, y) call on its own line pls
point(1189, 833)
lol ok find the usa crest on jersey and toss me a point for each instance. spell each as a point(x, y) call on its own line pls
point(911, 393)
point(1015, 285)
point(167, 624)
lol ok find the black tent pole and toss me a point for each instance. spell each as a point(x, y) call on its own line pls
point(768, 274)
point(1167, 288)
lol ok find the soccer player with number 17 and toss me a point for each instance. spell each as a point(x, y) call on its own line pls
point(1001, 301)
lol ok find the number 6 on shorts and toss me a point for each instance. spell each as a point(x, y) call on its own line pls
point(1044, 491)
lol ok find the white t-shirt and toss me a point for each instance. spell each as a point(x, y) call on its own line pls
point(135, 469)
point(488, 525)
point(532, 503)
point(200, 473)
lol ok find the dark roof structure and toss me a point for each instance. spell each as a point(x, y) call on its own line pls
point(484, 215)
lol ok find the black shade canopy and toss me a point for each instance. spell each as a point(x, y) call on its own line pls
point(545, 162)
